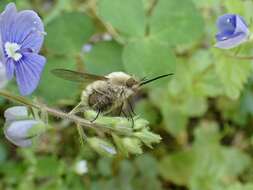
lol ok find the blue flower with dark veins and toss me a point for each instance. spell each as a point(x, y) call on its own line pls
point(22, 35)
point(233, 31)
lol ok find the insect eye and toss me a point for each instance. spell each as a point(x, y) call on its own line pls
point(130, 82)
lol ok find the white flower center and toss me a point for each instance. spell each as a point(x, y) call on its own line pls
point(11, 50)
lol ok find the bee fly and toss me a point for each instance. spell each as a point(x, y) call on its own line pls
point(105, 93)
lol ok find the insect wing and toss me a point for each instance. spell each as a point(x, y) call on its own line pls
point(77, 76)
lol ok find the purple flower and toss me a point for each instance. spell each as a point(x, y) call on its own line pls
point(22, 35)
point(232, 31)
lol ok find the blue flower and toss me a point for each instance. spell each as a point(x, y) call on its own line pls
point(233, 31)
point(22, 35)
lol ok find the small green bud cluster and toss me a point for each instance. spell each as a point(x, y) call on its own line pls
point(127, 137)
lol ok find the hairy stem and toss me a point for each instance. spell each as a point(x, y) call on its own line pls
point(51, 111)
point(57, 113)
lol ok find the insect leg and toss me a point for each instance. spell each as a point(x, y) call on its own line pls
point(120, 109)
point(131, 107)
point(76, 109)
point(124, 114)
point(130, 115)
point(96, 116)
point(132, 119)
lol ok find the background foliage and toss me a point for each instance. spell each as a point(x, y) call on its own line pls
point(204, 113)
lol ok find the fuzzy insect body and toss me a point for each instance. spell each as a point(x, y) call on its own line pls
point(104, 93)
point(106, 96)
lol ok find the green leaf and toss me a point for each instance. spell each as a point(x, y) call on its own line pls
point(104, 166)
point(127, 17)
point(175, 121)
point(239, 186)
point(233, 74)
point(67, 33)
point(233, 110)
point(207, 3)
point(126, 174)
point(148, 58)
point(243, 8)
point(216, 164)
point(177, 167)
point(206, 164)
point(54, 89)
point(147, 161)
point(204, 77)
point(247, 101)
point(3, 153)
point(148, 179)
point(48, 166)
point(147, 111)
point(176, 24)
point(104, 58)
point(19, 4)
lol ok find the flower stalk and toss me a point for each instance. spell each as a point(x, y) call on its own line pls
point(127, 138)
point(43, 107)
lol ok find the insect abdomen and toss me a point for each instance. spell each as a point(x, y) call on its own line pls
point(100, 102)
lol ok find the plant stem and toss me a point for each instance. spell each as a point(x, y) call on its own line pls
point(51, 111)
point(57, 113)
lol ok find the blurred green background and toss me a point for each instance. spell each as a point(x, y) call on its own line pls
point(203, 114)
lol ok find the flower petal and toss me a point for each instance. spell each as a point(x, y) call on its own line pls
point(24, 28)
point(28, 30)
point(232, 42)
point(241, 25)
point(20, 142)
point(10, 68)
point(15, 113)
point(3, 76)
point(28, 71)
point(19, 130)
point(226, 23)
point(7, 19)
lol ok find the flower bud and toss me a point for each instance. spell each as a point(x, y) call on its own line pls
point(102, 147)
point(81, 167)
point(119, 144)
point(148, 137)
point(107, 37)
point(132, 145)
point(87, 48)
point(16, 113)
point(21, 133)
point(119, 124)
point(140, 124)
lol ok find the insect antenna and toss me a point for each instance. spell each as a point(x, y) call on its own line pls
point(153, 79)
